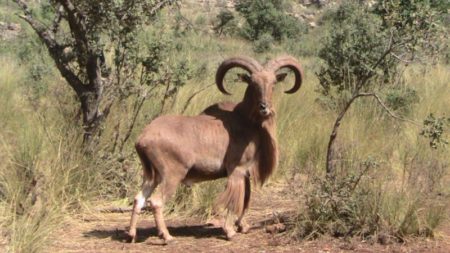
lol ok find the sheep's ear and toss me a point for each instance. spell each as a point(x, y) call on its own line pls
point(244, 77)
point(281, 77)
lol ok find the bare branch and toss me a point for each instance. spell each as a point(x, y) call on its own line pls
point(138, 107)
point(159, 6)
point(387, 51)
point(188, 23)
point(120, 209)
point(55, 50)
point(393, 115)
point(37, 26)
point(76, 22)
point(57, 19)
point(24, 7)
point(337, 123)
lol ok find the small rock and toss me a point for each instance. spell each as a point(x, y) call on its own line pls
point(275, 228)
point(14, 27)
point(384, 239)
point(9, 31)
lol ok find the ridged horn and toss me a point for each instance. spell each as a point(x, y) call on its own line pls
point(291, 63)
point(246, 63)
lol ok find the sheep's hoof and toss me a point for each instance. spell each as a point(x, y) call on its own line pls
point(168, 239)
point(131, 237)
point(230, 235)
point(243, 228)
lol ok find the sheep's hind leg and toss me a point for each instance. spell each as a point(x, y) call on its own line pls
point(139, 202)
point(168, 188)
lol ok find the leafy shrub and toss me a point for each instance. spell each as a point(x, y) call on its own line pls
point(226, 23)
point(434, 130)
point(200, 20)
point(368, 205)
point(268, 17)
point(263, 44)
point(401, 100)
point(416, 25)
point(337, 207)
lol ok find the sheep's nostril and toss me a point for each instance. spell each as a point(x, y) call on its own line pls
point(262, 106)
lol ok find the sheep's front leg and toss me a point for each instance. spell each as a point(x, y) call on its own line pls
point(233, 199)
point(242, 225)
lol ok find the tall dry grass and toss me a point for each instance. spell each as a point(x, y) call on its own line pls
point(405, 189)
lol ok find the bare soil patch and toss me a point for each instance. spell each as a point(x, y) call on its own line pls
point(100, 232)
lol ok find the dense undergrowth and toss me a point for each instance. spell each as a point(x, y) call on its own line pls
point(390, 181)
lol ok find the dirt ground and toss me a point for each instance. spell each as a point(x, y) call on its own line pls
point(106, 232)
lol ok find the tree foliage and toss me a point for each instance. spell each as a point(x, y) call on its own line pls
point(366, 44)
point(434, 128)
point(415, 27)
point(77, 33)
point(226, 23)
point(352, 50)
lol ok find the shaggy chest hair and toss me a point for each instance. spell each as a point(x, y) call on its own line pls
point(267, 153)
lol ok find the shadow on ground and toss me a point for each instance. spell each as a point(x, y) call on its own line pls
point(196, 231)
point(148, 230)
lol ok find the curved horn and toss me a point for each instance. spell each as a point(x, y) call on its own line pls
point(291, 63)
point(246, 63)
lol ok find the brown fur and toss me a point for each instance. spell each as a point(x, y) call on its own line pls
point(227, 140)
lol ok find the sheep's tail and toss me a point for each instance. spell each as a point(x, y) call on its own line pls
point(149, 169)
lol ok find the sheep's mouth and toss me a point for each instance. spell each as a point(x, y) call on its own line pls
point(264, 109)
point(265, 112)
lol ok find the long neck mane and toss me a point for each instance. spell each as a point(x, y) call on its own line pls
point(267, 152)
point(267, 156)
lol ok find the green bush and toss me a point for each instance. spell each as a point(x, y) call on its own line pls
point(226, 23)
point(401, 100)
point(200, 20)
point(268, 17)
point(263, 44)
point(338, 207)
point(435, 130)
point(367, 204)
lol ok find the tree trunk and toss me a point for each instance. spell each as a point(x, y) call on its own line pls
point(330, 150)
point(90, 98)
point(90, 102)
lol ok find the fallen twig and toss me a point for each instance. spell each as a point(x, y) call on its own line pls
point(119, 209)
